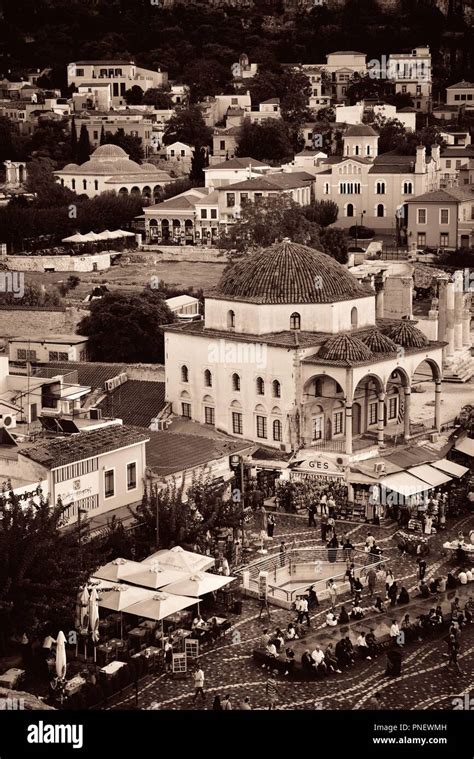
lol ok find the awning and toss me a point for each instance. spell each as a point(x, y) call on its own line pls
point(450, 467)
point(160, 605)
point(430, 475)
point(405, 484)
point(466, 445)
point(412, 457)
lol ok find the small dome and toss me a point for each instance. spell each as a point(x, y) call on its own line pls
point(288, 272)
point(148, 167)
point(407, 335)
point(109, 151)
point(377, 342)
point(345, 348)
point(71, 167)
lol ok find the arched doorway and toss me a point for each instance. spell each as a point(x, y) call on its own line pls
point(426, 373)
point(165, 229)
point(153, 230)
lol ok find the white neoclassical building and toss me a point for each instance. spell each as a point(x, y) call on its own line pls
point(292, 354)
point(110, 169)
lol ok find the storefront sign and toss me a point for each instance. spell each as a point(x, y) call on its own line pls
point(320, 466)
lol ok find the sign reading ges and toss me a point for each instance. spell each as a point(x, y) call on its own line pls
point(320, 465)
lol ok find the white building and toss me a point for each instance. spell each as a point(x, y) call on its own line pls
point(461, 93)
point(48, 348)
point(292, 354)
point(118, 75)
point(411, 74)
point(110, 169)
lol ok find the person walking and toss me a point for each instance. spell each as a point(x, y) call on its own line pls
point(350, 574)
point(226, 704)
point(271, 521)
point(371, 581)
point(199, 684)
point(332, 590)
point(453, 648)
point(271, 690)
point(311, 514)
point(304, 611)
point(282, 553)
point(421, 568)
point(216, 704)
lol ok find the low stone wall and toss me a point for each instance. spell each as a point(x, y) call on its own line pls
point(37, 321)
point(146, 372)
point(96, 262)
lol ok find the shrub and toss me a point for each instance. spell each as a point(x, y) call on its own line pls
point(362, 233)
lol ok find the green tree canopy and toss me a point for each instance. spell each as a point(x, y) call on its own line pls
point(268, 140)
point(134, 320)
point(133, 146)
point(322, 212)
point(159, 98)
point(187, 125)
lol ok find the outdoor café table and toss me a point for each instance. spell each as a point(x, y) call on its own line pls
point(112, 668)
point(148, 624)
point(11, 678)
point(178, 638)
point(117, 643)
point(138, 634)
point(105, 650)
point(74, 685)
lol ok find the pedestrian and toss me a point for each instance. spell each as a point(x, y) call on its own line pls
point(199, 684)
point(271, 521)
point(263, 605)
point(371, 581)
point(245, 705)
point(216, 704)
point(348, 549)
point(324, 526)
point(323, 504)
point(332, 591)
point(350, 574)
point(389, 580)
point(374, 702)
point(271, 690)
point(453, 648)
point(168, 651)
point(226, 704)
point(392, 593)
point(304, 611)
point(282, 553)
point(311, 514)
point(394, 631)
point(312, 598)
point(421, 568)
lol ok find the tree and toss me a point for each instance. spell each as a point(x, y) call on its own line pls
point(102, 135)
point(322, 212)
point(33, 295)
point(187, 125)
point(158, 98)
point(267, 220)
point(40, 181)
point(268, 140)
point(198, 165)
point(134, 96)
point(365, 87)
point(133, 146)
point(205, 78)
point(73, 139)
point(41, 565)
point(134, 320)
point(391, 133)
point(7, 151)
point(186, 515)
point(83, 146)
point(334, 243)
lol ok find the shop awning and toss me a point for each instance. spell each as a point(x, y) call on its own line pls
point(466, 445)
point(405, 484)
point(450, 467)
point(430, 475)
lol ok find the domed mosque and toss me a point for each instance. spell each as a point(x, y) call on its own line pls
point(291, 356)
point(109, 168)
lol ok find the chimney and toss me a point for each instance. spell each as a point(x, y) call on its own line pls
point(420, 164)
point(436, 154)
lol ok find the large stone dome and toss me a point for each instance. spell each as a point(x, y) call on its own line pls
point(287, 272)
point(106, 152)
point(407, 335)
point(377, 342)
point(345, 348)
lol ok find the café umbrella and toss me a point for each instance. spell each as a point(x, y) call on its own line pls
point(61, 665)
point(94, 618)
point(198, 585)
point(82, 613)
point(160, 606)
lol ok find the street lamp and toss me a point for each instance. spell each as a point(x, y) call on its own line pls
point(361, 224)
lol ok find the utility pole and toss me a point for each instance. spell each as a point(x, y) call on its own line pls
point(157, 514)
point(79, 514)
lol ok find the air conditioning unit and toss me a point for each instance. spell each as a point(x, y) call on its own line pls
point(109, 385)
point(380, 467)
point(123, 377)
point(342, 460)
point(95, 413)
point(8, 421)
point(434, 437)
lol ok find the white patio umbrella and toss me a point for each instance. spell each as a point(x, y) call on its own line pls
point(61, 664)
point(118, 569)
point(94, 618)
point(178, 558)
point(156, 576)
point(198, 585)
point(74, 238)
point(160, 606)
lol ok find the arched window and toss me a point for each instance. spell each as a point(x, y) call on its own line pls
point(184, 374)
point(276, 389)
point(235, 382)
point(407, 188)
point(230, 319)
point(295, 321)
point(354, 318)
point(380, 210)
point(73, 184)
point(260, 386)
point(277, 430)
point(368, 149)
point(208, 378)
point(356, 150)
point(96, 184)
point(318, 388)
point(380, 188)
point(84, 184)
point(350, 210)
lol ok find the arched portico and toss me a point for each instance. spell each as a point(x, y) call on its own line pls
point(428, 371)
point(323, 412)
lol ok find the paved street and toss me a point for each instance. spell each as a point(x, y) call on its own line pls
point(425, 681)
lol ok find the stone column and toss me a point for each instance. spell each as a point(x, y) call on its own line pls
point(380, 419)
point(406, 413)
point(379, 295)
point(349, 428)
point(466, 321)
point(458, 309)
point(450, 319)
point(442, 308)
point(437, 416)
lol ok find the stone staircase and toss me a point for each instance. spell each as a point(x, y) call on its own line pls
point(461, 369)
